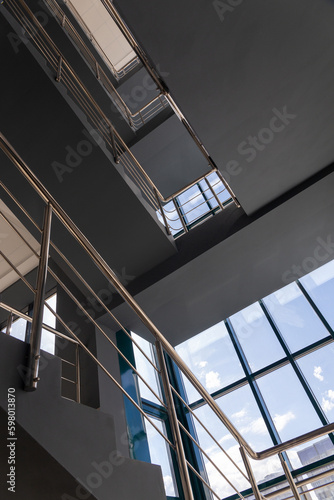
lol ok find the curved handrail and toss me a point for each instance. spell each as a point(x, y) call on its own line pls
point(111, 276)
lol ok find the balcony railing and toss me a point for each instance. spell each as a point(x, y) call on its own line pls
point(121, 154)
point(164, 350)
point(135, 120)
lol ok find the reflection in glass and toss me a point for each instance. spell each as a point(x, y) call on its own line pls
point(160, 455)
point(48, 338)
point(294, 317)
point(145, 369)
point(256, 337)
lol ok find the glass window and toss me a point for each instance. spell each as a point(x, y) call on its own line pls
point(193, 204)
point(318, 368)
point(241, 408)
point(172, 217)
point(212, 358)
point(294, 317)
point(160, 455)
point(286, 400)
point(145, 369)
point(320, 286)
point(256, 337)
point(18, 329)
point(310, 452)
point(48, 338)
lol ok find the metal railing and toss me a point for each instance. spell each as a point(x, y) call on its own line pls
point(194, 206)
point(108, 4)
point(135, 120)
point(119, 150)
point(163, 348)
point(117, 73)
point(15, 313)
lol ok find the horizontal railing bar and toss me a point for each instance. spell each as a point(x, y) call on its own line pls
point(111, 276)
point(115, 72)
point(18, 233)
point(20, 314)
point(203, 480)
point(208, 432)
point(25, 281)
point(68, 380)
point(208, 458)
point(92, 320)
point(98, 110)
point(110, 314)
point(20, 206)
point(103, 368)
point(68, 362)
point(68, 26)
point(119, 21)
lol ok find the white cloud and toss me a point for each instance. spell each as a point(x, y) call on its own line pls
point(239, 414)
point(328, 404)
point(202, 364)
point(256, 427)
point(212, 380)
point(317, 372)
point(225, 438)
point(281, 420)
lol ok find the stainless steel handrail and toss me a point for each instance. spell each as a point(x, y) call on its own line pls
point(52, 54)
point(135, 120)
point(118, 74)
point(111, 276)
point(160, 84)
point(160, 340)
point(20, 314)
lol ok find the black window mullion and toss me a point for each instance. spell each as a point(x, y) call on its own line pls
point(253, 384)
point(314, 401)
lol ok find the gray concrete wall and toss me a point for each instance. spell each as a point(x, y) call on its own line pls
point(246, 266)
point(80, 438)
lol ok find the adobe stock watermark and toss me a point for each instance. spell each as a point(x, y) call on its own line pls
point(322, 252)
point(106, 295)
point(255, 144)
point(28, 31)
point(100, 471)
point(225, 7)
point(74, 155)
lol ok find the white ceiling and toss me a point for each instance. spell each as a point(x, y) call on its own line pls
point(15, 249)
point(105, 31)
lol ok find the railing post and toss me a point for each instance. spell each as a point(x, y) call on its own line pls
point(289, 477)
point(162, 212)
point(77, 374)
point(37, 318)
point(60, 64)
point(250, 474)
point(179, 449)
point(97, 68)
point(179, 213)
point(113, 144)
point(214, 193)
point(9, 324)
